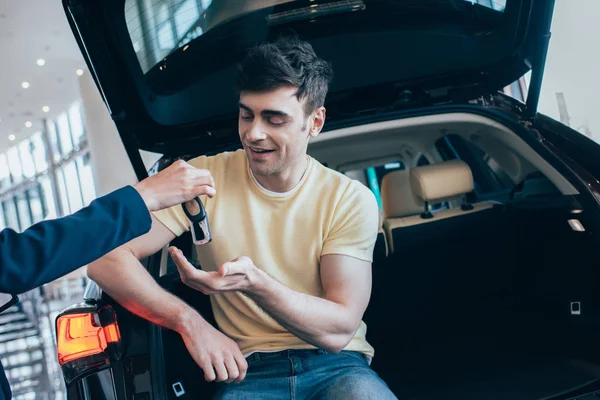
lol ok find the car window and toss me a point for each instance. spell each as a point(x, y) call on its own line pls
point(422, 161)
point(157, 27)
point(498, 5)
point(372, 176)
point(490, 180)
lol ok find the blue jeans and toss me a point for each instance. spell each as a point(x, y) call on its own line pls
point(307, 374)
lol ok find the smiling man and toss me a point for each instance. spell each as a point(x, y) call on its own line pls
point(289, 267)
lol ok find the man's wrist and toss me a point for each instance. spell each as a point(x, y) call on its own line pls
point(258, 284)
point(188, 321)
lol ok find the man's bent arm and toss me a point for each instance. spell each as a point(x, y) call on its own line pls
point(122, 276)
point(330, 322)
point(125, 279)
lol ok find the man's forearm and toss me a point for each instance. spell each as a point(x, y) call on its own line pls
point(122, 276)
point(320, 322)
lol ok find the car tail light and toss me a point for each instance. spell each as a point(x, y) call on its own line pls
point(86, 340)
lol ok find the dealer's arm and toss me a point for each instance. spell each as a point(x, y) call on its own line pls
point(53, 248)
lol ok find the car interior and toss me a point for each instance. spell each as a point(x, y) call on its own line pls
point(482, 280)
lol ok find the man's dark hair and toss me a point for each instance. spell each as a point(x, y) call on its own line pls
point(288, 61)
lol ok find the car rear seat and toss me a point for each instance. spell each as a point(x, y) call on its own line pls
point(448, 271)
point(398, 201)
point(451, 252)
point(405, 197)
point(443, 265)
point(381, 250)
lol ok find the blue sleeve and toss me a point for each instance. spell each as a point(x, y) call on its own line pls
point(51, 249)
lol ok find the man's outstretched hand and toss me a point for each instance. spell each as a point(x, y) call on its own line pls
point(238, 275)
point(218, 356)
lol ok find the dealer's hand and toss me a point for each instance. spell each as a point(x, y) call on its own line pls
point(176, 184)
point(238, 275)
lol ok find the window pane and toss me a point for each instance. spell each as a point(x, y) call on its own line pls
point(24, 215)
point(39, 152)
point(76, 121)
point(75, 201)
point(35, 202)
point(2, 223)
point(10, 214)
point(498, 5)
point(87, 178)
point(489, 178)
point(64, 133)
point(48, 199)
point(135, 28)
point(423, 161)
point(26, 158)
point(14, 164)
point(161, 8)
point(185, 17)
point(151, 24)
point(62, 192)
point(166, 41)
point(4, 173)
point(516, 90)
point(53, 134)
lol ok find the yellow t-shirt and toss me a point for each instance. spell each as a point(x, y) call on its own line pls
point(285, 234)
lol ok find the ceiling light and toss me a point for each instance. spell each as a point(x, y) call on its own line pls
point(79, 72)
point(41, 62)
point(28, 124)
point(11, 137)
point(45, 109)
point(25, 85)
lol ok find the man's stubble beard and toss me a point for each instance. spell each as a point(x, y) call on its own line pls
point(266, 171)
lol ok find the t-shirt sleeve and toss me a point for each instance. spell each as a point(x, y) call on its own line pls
point(355, 224)
point(173, 217)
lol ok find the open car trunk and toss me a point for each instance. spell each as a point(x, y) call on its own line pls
point(499, 304)
point(172, 94)
point(485, 314)
point(495, 307)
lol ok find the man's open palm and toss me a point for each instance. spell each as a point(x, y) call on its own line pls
point(235, 275)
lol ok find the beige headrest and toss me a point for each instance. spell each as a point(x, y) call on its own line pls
point(397, 197)
point(441, 181)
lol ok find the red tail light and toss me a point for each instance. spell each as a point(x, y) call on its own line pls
point(80, 335)
point(84, 338)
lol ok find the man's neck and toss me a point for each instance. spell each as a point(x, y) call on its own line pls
point(285, 181)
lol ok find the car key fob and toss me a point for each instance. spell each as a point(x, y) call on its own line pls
point(198, 217)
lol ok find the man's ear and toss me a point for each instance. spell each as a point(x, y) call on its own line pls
point(318, 120)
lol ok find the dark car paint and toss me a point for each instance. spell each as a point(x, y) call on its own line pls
point(574, 146)
point(135, 105)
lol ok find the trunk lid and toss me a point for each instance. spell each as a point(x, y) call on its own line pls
point(166, 68)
